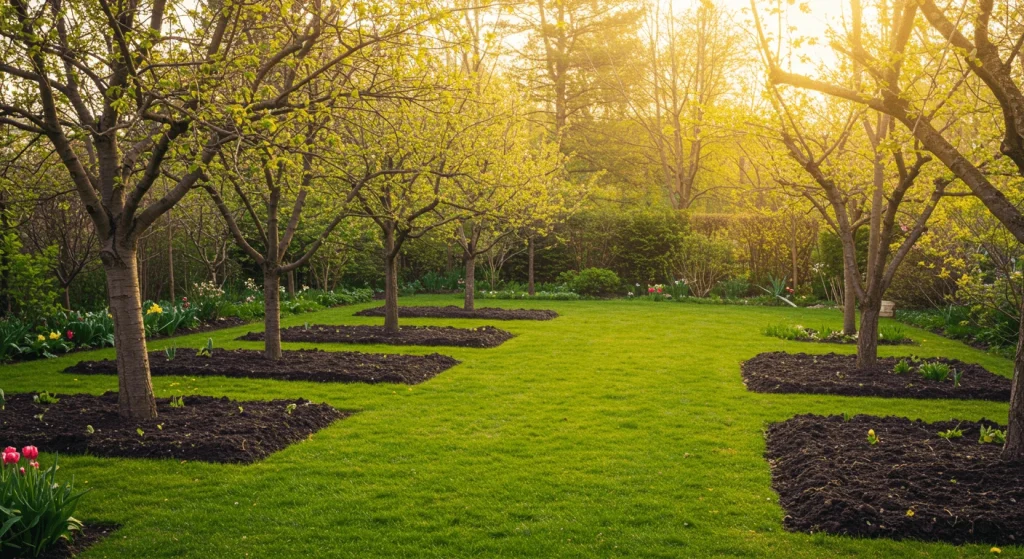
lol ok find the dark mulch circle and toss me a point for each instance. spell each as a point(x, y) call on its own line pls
point(911, 484)
point(801, 373)
point(306, 364)
point(206, 429)
point(486, 313)
point(484, 336)
point(91, 534)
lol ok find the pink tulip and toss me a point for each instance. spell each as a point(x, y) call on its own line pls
point(11, 457)
point(10, 449)
point(30, 452)
point(34, 464)
point(22, 470)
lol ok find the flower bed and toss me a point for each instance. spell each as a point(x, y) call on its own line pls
point(186, 428)
point(485, 336)
point(486, 313)
point(892, 477)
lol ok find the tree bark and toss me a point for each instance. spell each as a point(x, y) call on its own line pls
point(849, 302)
point(271, 312)
point(170, 257)
point(1014, 447)
point(529, 267)
point(470, 299)
point(67, 297)
point(135, 389)
point(390, 282)
point(867, 337)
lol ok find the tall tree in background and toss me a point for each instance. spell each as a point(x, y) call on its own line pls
point(566, 50)
point(679, 100)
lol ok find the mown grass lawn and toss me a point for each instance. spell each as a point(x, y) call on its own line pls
point(620, 429)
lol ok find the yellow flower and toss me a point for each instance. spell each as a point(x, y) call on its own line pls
point(154, 309)
point(910, 512)
point(996, 550)
point(41, 338)
point(54, 336)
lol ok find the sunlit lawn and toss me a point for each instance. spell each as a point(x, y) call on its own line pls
point(620, 429)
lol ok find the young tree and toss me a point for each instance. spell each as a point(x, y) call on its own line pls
point(125, 93)
point(865, 201)
point(969, 46)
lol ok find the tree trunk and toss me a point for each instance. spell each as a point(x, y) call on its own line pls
point(135, 390)
point(1014, 448)
point(529, 267)
point(867, 337)
point(849, 303)
point(291, 282)
point(470, 298)
point(67, 297)
point(170, 257)
point(271, 313)
point(390, 282)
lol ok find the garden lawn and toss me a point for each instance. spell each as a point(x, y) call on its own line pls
point(620, 429)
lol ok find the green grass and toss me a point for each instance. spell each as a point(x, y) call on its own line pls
point(621, 429)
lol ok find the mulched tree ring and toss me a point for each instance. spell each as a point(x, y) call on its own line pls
point(912, 484)
point(206, 429)
point(484, 336)
point(801, 373)
point(91, 534)
point(306, 364)
point(486, 313)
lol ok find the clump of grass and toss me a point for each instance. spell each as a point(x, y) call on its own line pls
point(787, 332)
point(936, 371)
point(902, 367)
point(950, 434)
point(991, 435)
point(893, 334)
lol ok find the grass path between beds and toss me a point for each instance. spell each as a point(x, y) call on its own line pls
point(620, 429)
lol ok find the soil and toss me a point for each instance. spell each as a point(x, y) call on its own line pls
point(218, 324)
point(486, 313)
point(309, 365)
point(912, 484)
point(484, 336)
point(780, 372)
point(90, 534)
point(206, 429)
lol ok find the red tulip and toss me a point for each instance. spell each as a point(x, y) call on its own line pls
point(22, 471)
point(30, 452)
point(11, 457)
point(10, 449)
point(70, 334)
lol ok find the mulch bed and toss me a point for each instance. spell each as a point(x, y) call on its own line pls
point(218, 324)
point(306, 364)
point(484, 336)
point(486, 313)
point(90, 534)
point(801, 373)
point(911, 484)
point(206, 429)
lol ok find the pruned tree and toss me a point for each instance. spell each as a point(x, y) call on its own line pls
point(968, 47)
point(125, 93)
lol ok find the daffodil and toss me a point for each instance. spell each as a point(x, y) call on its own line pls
point(154, 309)
point(41, 338)
point(54, 336)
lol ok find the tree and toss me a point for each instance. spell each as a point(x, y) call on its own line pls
point(127, 93)
point(679, 101)
point(567, 47)
point(979, 57)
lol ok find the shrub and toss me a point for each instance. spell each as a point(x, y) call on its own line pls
point(703, 262)
point(35, 510)
point(592, 281)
